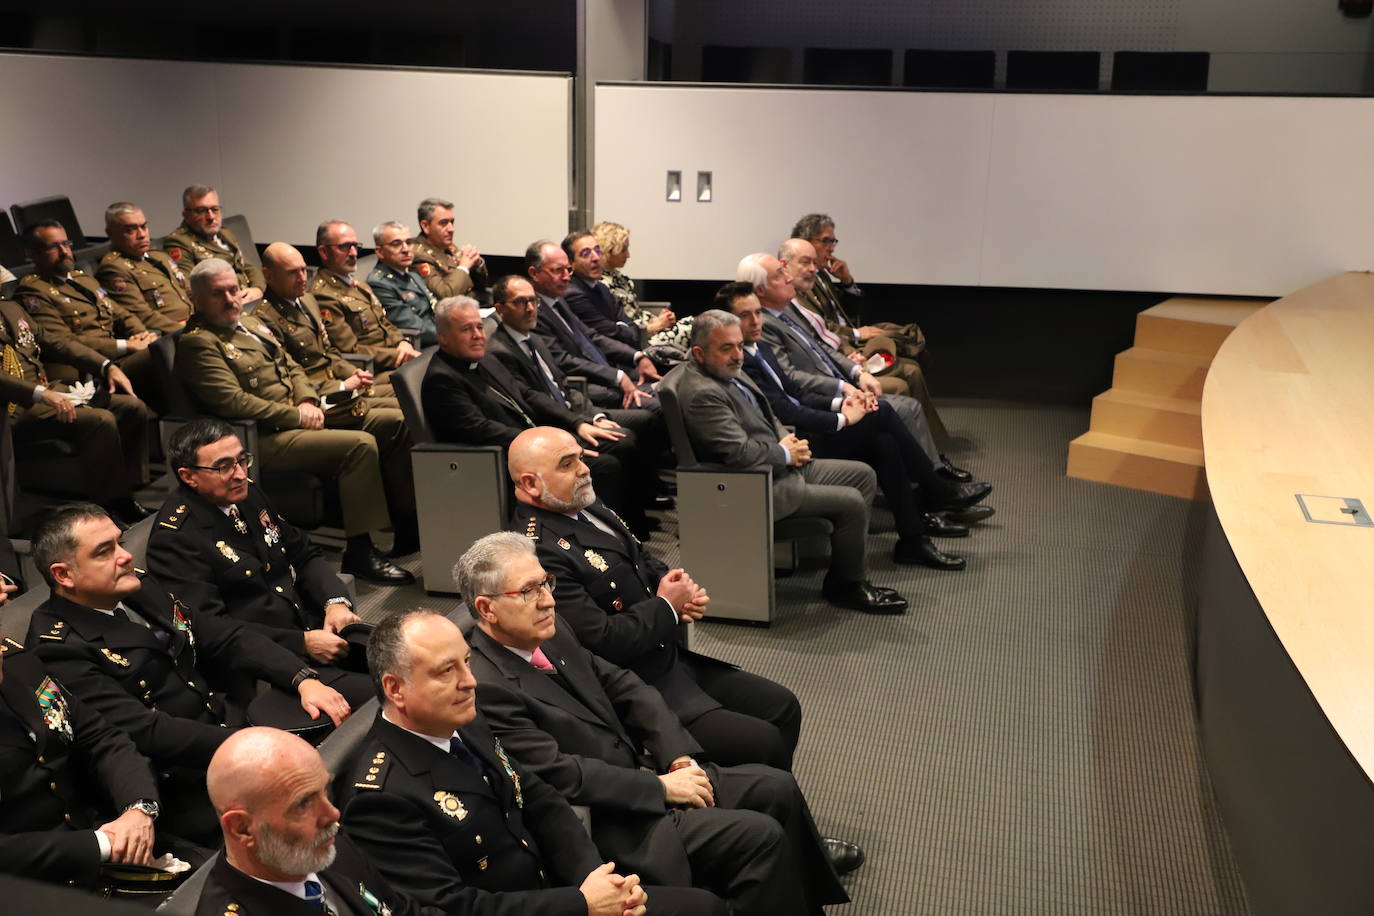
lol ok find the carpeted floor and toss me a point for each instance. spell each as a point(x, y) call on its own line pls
point(1024, 739)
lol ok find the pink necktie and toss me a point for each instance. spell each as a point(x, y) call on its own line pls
point(541, 661)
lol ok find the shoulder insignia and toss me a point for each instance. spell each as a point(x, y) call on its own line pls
point(422, 269)
point(530, 528)
point(174, 518)
point(450, 804)
point(372, 772)
point(115, 657)
point(597, 561)
point(57, 632)
point(10, 645)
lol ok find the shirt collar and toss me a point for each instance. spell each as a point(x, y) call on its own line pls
point(294, 888)
point(520, 336)
point(443, 744)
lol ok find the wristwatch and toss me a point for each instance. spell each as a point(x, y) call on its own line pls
point(305, 674)
point(339, 600)
point(147, 806)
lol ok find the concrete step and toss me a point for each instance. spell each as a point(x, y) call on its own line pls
point(1135, 415)
point(1192, 324)
point(1162, 373)
point(1137, 463)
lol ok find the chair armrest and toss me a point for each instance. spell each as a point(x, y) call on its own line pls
point(576, 383)
point(361, 360)
point(410, 334)
point(653, 308)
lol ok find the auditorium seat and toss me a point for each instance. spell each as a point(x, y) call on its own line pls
point(11, 248)
point(1053, 70)
point(461, 490)
point(238, 225)
point(1160, 71)
point(58, 208)
point(731, 64)
point(847, 66)
point(939, 69)
point(726, 529)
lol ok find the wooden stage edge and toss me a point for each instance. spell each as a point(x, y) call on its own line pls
point(1285, 666)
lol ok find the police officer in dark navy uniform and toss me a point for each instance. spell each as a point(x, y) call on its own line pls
point(150, 665)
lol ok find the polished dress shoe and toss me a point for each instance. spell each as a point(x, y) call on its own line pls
point(374, 567)
point(937, 526)
point(970, 516)
point(861, 596)
point(844, 856)
point(922, 551)
point(963, 495)
point(948, 469)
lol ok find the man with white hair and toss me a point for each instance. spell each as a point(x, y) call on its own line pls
point(399, 286)
point(283, 852)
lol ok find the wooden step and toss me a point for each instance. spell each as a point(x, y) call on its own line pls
point(1190, 324)
point(1162, 373)
point(1135, 415)
point(1137, 463)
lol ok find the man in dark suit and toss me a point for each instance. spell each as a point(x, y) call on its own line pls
point(618, 375)
point(220, 547)
point(447, 815)
point(731, 423)
point(579, 723)
point(470, 397)
point(625, 606)
point(67, 775)
point(149, 664)
point(867, 431)
point(591, 300)
point(283, 852)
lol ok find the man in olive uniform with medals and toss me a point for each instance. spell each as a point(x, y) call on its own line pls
point(448, 270)
point(403, 293)
point(70, 305)
point(147, 283)
point(236, 368)
point(111, 442)
point(58, 757)
point(295, 316)
point(202, 235)
point(353, 315)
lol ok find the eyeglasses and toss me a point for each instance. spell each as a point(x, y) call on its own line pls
point(523, 300)
point(201, 211)
point(530, 593)
point(397, 244)
point(587, 252)
point(57, 246)
point(828, 240)
point(225, 466)
point(343, 246)
point(556, 271)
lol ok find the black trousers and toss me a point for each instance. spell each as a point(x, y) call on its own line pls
point(759, 720)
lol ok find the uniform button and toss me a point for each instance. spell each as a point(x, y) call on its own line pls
point(190, 683)
point(40, 759)
point(478, 839)
point(279, 588)
point(53, 786)
point(67, 817)
point(525, 843)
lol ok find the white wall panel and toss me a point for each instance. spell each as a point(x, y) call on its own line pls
point(290, 146)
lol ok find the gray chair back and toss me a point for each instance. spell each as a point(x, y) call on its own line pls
point(58, 208)
point(406, 382)
point(238, 224)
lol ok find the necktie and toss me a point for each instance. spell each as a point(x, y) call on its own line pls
point(541, 661)
point(589, 349)
point(314, 895)
point(753, 401)
point(821, 356)
point(543, 373)
point(458, 749)
point(767, 367)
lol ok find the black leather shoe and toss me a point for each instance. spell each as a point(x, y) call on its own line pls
point(970, 516)
point(922, 551)
point(861, 596)
point(952, 472)
point(844, 856)
point(964, 495)
point(937, 526)
point(374, 567)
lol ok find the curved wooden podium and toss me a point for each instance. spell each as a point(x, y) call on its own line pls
point(1285, 665)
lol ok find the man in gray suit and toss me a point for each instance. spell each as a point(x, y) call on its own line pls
point(731, 423)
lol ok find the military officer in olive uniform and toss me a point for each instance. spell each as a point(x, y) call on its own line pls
point(202, 235)
point(144, 660)
point(71, 305)
point(448, 270)
point(403, 293)
point(112, 443)
point(236, 368)
point(147, 283)
point(65, 774)
point(295, 316)
point(353, 315)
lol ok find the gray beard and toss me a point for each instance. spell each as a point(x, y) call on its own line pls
point(278, 854)
point(576, 504)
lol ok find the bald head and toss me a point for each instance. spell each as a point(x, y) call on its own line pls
point(547, 469)
point(243, 767)
point(284, 268)
point(799, 257)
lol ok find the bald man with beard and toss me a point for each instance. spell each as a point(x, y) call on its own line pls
point(283, 853)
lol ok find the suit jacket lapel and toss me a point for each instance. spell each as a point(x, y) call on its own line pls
point(111, 630)
point(539, 685)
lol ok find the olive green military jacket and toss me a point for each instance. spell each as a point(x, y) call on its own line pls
point(188, 249)
point(355, 318)
point(441, 272)
point(305, 337)
point(242, 373)
point(77, 309)
point(20, 333)
point(153, 288)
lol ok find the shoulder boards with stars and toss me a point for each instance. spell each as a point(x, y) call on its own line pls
point(10, 645)
point(174, 518)
point(371, 773)
point(532, 529)
point(57, 632)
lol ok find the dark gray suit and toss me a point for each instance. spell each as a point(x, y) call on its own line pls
point(732, 424)
point(579, 729)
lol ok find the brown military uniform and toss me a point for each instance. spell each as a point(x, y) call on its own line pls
point(355, 317)
point(153, 288)
point(441, 272)
point(188, 249)
point(78, 308)
point(302, 329)
point(101, 437)
point(245, 373)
